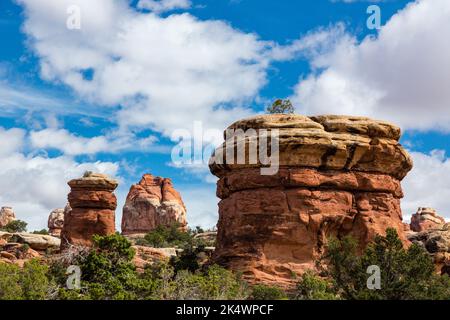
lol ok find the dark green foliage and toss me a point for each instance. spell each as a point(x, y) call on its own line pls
point(28, 283)
point(16, 226)
point(168, 236)
point(43, 232)
point(263, 292)
point(312, 287)
point(281, 106)
point(405, 274)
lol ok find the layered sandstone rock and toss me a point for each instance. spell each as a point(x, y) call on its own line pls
point(7, 215)
point(35, 241)
point(146, 256)
point(150, 203)
point(56, 222)
point(425, 219)
point(337, 176)
point(92, 209)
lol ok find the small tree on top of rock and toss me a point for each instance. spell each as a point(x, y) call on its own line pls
point(281, 106)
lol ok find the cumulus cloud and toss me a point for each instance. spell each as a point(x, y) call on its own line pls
point(401, 75)
point(159, 6)
point(72, 144)
point(163, 72)
point(427, 184)
point(33, 184)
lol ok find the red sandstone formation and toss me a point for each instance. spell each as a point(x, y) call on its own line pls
point(338, 176)
point(426, 219)
point(150, 203)
point(93, 205)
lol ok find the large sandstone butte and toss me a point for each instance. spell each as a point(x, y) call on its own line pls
point(150, 203)
point(338, 176)
point(93, 205)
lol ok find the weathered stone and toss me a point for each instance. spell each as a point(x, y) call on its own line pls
point(150, 203)
point(91, 210)
point(337, 176)
point(425, 219)
point(437, 242)
point(147, 256)
point(56, 222)
point(7, 215)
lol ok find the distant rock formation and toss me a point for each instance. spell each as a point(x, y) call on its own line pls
point(93, 205)
point(7, 215)
point(425, 219)
point(150, 203)
point(437, 243)
point(338, 176)
point(56, 222)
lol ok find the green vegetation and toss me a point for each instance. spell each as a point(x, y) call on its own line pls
point(281, 106)
point(406, 274)
point(43, 232)
point(108, 273)
point(28, 283)
point(263, 292)
point(174, 236)
point(15, 226)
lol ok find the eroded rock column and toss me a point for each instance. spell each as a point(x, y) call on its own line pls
point(93, 205)
point(151, 203)
point(337, 176)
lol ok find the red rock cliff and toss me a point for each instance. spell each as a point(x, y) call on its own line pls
point(150, 203)
point(338, 176)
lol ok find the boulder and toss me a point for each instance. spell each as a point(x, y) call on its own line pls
point(146, 256)
point(436, 242)
point(336, 176)
point(151, 203)
point(92, 210)
point(38, 241)
point(425, 219)
point(56, 222)
point(7, 215)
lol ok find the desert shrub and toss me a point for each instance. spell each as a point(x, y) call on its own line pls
point(264, 292)
point(16, 226)
point(281, 106)
point(28, 283)
point(107, 271)
point(405, 273)
point(10, 288)
point(43, 232)
point(312, 287)
point(168, 236)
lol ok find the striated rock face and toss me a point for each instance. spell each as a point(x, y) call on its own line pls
point(425, 219)
point(56, 222)
point(92, 209)
point(6, 216)
point(150, 203)
point(337, 176)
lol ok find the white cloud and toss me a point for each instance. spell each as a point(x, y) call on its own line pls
point(73, 145)
point(35, 185)
point(159, 6)
point(427, 185)
point(164, 72)
point(402, 75)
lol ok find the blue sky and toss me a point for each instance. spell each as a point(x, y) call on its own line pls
point(110, 95)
